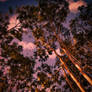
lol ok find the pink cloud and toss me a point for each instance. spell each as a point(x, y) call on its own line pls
point(3, 0)
point(29, 46)
point(73, 6)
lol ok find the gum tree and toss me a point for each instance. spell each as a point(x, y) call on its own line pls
point(45, 22)
point(17, 72)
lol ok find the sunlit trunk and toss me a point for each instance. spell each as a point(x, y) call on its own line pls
point(70, 73)
point(70, 56)
point(73, 59)
point(67, 80)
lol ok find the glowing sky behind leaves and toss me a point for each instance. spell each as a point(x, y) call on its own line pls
point(28, 46)
point(5, 4)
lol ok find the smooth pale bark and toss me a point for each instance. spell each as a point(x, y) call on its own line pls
point(73, 59)
point(67, 80)
point(70, 73)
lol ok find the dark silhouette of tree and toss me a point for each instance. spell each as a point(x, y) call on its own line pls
point(17, 71)
point(45, 22)
point(14, 67)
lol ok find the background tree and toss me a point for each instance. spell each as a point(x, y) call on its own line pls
point(14, 67)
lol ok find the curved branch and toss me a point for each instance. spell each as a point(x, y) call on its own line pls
point(13, 27)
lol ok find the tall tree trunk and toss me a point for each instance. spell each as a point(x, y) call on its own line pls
point(67, 80)
point(73, 59)
point(70, 73)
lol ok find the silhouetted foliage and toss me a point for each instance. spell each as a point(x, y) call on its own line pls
point(45, 21)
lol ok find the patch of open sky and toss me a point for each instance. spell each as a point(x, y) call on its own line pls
point(4, 6)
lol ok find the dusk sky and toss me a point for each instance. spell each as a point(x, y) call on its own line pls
point(5, 4)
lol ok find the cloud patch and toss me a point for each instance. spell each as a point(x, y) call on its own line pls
point(73, 6)
point(29, 46)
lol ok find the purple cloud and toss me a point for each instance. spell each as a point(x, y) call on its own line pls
point(73, 6)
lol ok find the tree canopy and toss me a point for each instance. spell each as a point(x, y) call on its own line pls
point(45, 21)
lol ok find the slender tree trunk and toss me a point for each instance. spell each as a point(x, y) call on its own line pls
point(67, 80)
point(73, 59)
point(70, 73)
